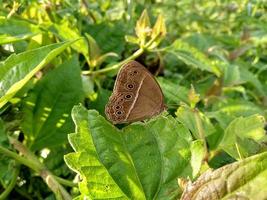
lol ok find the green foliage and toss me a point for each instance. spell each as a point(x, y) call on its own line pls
point(46, 119)
point(58, 62)
point(152, 154)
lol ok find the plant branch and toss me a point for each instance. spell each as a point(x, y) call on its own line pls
point(116, 66)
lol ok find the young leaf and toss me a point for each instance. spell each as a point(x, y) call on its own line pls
point(193, 57)
point(141, 161)
point(238, 135)
point(142, 28)
point(18, 69)
point(158, 32)
point(159, 28)
point(246, 179)
point(46, 111)
point(193, 97)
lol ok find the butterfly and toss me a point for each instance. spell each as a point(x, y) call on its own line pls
point(136, 95)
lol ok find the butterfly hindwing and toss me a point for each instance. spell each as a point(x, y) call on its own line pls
point(136, 95)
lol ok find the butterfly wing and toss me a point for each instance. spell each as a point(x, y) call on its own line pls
point(136, 95)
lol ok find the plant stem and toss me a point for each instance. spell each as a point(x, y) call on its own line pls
point(19, 158)
point(116, 66)
point(65, 182)
point(12, 183)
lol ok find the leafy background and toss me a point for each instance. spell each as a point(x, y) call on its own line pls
point(59, 61)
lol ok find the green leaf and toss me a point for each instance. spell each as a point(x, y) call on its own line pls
point(238, 135)
point(193, 57)
point(249, 77)
point(226, 111)
point(131, 39)
point(46, 110)
point(16, 30)
point(18, 69)
point(198, 154)
point(142, 27)
point(193, 97)
point(240, 180)
point(107, 36)
point(173, 92)
point(188, 117)
point(141, 161)
point(67, 32)
point(159, 28)
point(5, 39)
point(231, 75)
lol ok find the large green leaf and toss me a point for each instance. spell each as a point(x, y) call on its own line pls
point(241, 135)
point(18, 69)
point(16, 30)
point(246, 179)
point(193, 57)
point(141, 161)
point(108, 37)
point(46, 111)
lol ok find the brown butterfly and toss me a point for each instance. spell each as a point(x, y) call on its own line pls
point(136, 95)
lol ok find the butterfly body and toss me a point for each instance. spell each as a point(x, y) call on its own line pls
point(136, 95)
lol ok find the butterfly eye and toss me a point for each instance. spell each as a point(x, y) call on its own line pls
point(119, 113)
point(118, 107)
point(133, 73)
point(128, 96)
point(130, 86)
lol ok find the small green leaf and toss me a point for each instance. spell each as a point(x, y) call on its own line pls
point(131, 39)
point(152, 154)
point(238, 135)
point(5, 39)
point(94, 51)
point(16, 30)
point(18, 69)
point(187, 117)
point(241, 180)
point(159, 28)
point(142, 28)
point(226, 111)
point(66, 31)
point(193, 97)
point(173, 92)
point(249, 77)
point(158, 32)
point(197, 155)
point(193, 57)
point(47, 109)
